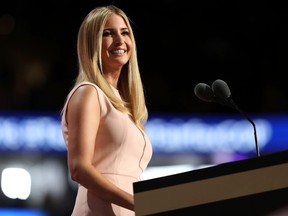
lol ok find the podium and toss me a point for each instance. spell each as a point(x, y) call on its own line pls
point(251, 187)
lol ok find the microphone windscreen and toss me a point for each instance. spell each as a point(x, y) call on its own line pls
point(204, 92)
point(221, 89)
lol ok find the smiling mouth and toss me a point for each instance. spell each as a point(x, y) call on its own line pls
point(118, 51)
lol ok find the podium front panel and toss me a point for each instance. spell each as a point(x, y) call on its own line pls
point(253, 186)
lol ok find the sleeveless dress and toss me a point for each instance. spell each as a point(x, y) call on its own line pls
point(122, 152)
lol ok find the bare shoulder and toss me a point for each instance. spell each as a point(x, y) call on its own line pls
point(85, 97)
point(84, 92)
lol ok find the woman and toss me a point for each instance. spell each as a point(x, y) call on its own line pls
point(104, 115)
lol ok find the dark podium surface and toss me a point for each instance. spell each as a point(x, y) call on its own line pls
point(256, 186)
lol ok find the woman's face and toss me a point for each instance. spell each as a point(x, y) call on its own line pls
point(116, 44)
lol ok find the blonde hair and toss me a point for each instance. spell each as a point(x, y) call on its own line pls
point(90, 65)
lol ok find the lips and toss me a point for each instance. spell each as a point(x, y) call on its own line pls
point(118, 51)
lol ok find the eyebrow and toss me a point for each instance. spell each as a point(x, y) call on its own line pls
point(112, 29)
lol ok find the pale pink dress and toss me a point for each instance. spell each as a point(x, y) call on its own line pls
point(122, 152)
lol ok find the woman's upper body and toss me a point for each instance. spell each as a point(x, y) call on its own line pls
point(121, 150)
point(108, 73)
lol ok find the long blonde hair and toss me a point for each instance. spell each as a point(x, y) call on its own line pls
point(90, 65)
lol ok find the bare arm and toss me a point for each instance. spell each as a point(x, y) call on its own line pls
point(83, 116)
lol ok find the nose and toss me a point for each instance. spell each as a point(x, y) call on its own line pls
point(118, 40)
point(118, 43)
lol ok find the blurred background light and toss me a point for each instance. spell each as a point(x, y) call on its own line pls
point(16, 183)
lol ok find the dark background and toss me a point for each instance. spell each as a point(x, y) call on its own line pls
point(179, 43)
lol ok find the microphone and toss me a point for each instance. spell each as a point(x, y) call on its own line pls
point(221, 90)
point(204, 92)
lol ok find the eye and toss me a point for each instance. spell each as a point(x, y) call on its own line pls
point(125, 33)
point(107, 33)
